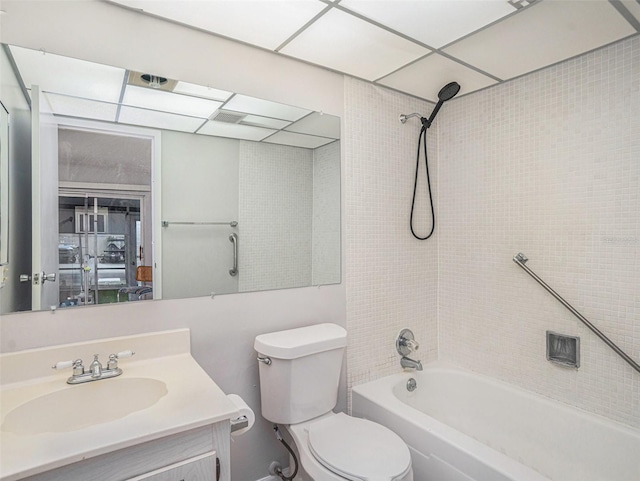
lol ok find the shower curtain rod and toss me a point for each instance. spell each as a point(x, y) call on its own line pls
point(521, 260)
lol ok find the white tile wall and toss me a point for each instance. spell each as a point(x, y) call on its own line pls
point(549, 165)
point(275, 214)
point(391, 278)
point(326, 215)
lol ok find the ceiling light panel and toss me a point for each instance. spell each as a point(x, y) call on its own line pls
point(427, 76)
point(187, 88)
point(433, 22)
point(317, 124)
point(543, 34)
point(169, 102)
point(348, 44)
point(298, 140)
point(72, 76)
point(158, 120)
point(265, 108)
point(235, 131)
point(83, 108)
point(266, 23)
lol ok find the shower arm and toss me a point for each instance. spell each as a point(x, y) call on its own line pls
point(404, 118)
point(521, 260)
point(426, 123)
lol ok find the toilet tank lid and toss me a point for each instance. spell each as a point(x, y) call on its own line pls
point(303, 341)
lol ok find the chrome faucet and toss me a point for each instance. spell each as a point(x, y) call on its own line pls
point(405, 345)
point(409, 363)
point(96, 370)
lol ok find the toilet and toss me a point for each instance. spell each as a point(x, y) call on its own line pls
point(299, 377)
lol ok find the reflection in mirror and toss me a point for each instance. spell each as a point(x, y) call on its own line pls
point(244, 193)
point(4, 188)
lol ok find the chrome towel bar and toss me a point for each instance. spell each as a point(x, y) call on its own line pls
point(521, 260)
point(233, 223)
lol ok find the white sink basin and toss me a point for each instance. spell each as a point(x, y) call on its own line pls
point(82, 405)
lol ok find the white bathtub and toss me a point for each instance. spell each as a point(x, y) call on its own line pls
point(461, 426)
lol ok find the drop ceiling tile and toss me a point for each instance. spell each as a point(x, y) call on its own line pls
point(266, 23)
point(317, 124)
point(83, 108)
point(427, 76)
point(433, 22)
point(265, 108)
point(72, 76)
point(187, 88)
point(158, 120)
point(348, 44)
point(235, 131)
point(545, 33)
point(298, 140)
point(169, 102)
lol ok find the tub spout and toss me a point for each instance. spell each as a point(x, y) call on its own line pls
point(409, 363)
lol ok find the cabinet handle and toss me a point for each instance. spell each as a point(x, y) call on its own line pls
point(217, 469)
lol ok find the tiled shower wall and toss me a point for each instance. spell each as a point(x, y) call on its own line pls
point(391, 278)
point(547, 165)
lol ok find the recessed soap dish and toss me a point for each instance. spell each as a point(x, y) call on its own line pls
point(563, 350)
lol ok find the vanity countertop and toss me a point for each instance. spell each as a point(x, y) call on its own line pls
point(191, 400)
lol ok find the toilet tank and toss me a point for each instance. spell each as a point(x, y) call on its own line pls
point(301, 382)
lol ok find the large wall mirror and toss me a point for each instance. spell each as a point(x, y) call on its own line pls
point(4, 187)
point(160, 188)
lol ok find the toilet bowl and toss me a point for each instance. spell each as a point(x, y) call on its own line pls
point(337, 447)
point(299, 377)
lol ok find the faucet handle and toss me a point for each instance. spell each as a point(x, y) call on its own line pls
point(62, 365)
point(123, 354)
point(113, 359)
point(77, 366)
point(406, 343)
point(412, 345)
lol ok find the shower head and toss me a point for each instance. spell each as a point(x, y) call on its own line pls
point(446, 93)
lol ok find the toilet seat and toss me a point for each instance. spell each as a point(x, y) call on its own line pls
point(358, 450)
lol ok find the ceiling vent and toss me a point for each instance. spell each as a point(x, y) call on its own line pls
point(147, 80)
point(228, 117)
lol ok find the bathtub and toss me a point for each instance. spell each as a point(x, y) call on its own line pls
point(462, 426)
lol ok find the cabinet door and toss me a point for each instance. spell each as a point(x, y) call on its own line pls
point(200, 468)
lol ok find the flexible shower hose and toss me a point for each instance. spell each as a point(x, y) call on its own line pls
point(423, 137)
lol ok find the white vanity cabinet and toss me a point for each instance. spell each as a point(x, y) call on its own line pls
point(200, 468)
point(162, 419)
point(200, 454)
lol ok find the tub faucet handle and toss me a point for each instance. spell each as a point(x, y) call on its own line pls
point(406, 342)
point(413, 345)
